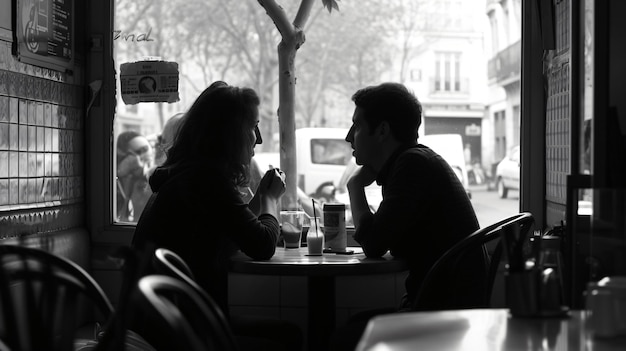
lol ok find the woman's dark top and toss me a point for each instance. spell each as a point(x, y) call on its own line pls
point(425, 211)
point(200, 215)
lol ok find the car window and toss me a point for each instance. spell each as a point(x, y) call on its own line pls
point(330, 151)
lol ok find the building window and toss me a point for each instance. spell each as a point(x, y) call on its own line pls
point(447, 72)
point(500, 134)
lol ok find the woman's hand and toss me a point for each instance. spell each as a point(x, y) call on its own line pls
point(272, 184)
point(271, 188)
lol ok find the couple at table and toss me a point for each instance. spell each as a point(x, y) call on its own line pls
point(197, 210)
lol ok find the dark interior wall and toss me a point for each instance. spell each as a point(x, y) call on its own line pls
point(616, 123)
point(42, 149)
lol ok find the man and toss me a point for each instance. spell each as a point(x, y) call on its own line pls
point(134, 166)
point(425, 209)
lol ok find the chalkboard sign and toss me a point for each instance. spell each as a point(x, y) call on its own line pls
point(45, 33)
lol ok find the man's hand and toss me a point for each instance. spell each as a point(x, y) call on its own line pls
point(362, 177)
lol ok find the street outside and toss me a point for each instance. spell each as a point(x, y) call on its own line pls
point(489, 207)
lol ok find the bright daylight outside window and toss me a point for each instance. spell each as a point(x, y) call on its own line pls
point(461, 58)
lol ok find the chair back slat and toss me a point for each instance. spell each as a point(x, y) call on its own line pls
point(455, 254)
point(180, 314)
point(43, 297)
point(169, 263)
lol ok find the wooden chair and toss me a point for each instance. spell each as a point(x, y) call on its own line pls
point(44, 299)
point(444, 267)
point(169, 263)
point(180, 314)
point(116, 335)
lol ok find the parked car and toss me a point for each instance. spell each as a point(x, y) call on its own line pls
point(507, 173)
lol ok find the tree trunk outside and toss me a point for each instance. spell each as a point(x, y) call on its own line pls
point(292, 38)
point(286, 121)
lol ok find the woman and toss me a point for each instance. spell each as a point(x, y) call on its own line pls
point(197, 210)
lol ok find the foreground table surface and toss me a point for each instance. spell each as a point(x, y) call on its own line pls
point(481, 329)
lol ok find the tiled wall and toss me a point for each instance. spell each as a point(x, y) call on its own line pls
point(41, 147)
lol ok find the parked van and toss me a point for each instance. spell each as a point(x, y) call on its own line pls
point(322, 155)
point(448, 146)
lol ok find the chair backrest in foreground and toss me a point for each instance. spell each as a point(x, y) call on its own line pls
point(44, 299)
point(169, 263)
point(445, 267)
point(180, 315)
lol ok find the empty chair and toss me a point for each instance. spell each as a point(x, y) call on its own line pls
point(238, 332)
point(169, 263)
point(116, 335)
point(180, 315)
point(44, 299)
point(444, 269)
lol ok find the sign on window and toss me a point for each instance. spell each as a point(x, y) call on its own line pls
point(149, 81)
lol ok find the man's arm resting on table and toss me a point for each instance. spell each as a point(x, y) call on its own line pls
point(358, 203)
point(363, 220)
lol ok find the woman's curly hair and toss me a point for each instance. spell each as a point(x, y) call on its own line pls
point(215, 132)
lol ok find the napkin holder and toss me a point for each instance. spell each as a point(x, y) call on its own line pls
point(533, 286)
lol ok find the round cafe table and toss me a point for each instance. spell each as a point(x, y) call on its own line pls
point(321, 272)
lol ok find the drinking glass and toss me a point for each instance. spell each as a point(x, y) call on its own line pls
point(291, 228)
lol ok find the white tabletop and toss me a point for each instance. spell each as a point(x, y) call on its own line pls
point(481, 329)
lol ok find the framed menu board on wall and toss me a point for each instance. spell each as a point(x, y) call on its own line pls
point(44, 33)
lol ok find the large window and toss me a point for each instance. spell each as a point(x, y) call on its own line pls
point(363, 44)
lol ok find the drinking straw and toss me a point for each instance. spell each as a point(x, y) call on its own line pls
point(314, 217)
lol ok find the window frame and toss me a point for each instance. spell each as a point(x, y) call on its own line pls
point(99, 130)
point(99, 125)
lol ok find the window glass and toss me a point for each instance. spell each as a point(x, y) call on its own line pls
point(454, 55)
point(330, 152)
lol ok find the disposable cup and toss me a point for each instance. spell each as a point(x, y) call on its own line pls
point(315, 239)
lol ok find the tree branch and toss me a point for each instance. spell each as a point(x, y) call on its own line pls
point(303, 13)
point(278, 15)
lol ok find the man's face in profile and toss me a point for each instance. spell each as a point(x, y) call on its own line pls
point(362, 141)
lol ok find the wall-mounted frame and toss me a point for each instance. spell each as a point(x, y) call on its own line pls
point(6, 29)
point(44, 33)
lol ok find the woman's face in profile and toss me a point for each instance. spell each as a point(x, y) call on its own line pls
point(254, 135)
